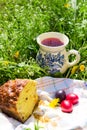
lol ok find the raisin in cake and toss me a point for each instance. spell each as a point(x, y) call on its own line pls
point(18, 98)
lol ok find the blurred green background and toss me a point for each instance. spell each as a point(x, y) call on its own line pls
point(21, 21)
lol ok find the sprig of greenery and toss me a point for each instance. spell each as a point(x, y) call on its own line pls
point(36, 127)
point(27, 128)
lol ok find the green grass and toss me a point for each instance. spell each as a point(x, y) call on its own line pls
point(21, 21)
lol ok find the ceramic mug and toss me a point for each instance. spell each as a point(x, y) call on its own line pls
point(52, 53)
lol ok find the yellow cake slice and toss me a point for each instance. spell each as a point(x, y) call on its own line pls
point(18, 98)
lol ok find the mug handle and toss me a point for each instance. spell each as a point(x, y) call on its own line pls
point(76, 53)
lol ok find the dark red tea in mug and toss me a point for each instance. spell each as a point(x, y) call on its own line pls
point(53, 42)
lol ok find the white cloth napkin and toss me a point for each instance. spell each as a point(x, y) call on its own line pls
point(5, 124)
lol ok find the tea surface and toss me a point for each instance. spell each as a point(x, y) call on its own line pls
point(53, 42)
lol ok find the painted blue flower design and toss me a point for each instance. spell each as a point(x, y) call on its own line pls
point(53, 62)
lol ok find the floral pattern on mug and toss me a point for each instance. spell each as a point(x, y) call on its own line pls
point(53, 62)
